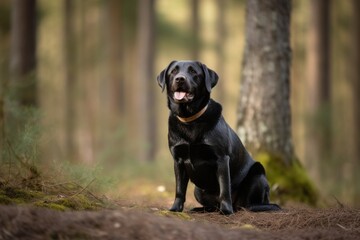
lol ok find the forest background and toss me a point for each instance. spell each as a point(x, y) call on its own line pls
point(81, 97)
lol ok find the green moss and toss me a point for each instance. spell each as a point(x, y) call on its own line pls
point(51, 205)
point(289, 182)
point(78, 202)
point(5, 199)
point(12, 195)
point(181, 215)
point(17, 193)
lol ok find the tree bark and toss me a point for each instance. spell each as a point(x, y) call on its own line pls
point(220, 43)
point(114, 54)
point(70, 78)
point(318, 138)
point(356, 99)
point(3, 76)
point(23, 51)
point(264, 116)
point(145, 96)
point(195, 29)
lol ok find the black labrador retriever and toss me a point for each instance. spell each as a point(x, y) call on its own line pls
point(205, 149)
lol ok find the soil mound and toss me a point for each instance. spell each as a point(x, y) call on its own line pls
point(39, 223)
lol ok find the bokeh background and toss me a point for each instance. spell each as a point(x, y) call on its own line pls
point(94, 109)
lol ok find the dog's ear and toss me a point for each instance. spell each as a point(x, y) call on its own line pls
point(161, 78)
point(211, 77)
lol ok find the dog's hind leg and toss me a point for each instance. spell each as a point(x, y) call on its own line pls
point(209, 201)
point(254, 191)
point(258, 198)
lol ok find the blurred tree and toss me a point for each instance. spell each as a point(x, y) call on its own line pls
point(220, 44)
point(23, 52)
point(4, 44)
point(264, 116)
point(145, 94)
point(2, 109)
point(70, 78)
point(356, 98)
point(318, 137)
point(195, 29)
point(114, 55)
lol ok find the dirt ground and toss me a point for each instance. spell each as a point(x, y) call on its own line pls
point(28, 222)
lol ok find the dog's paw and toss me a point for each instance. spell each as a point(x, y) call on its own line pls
point(204, 209)
point(226, 208)
point(178, 205)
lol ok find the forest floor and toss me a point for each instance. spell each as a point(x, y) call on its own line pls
point(81, 214)
point(40, 223)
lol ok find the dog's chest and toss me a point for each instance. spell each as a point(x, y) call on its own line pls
point(197, 154)
point(199, 160)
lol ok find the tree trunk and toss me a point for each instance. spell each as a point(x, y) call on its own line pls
point(264, 116)
point(2, 112)
point(264, 110)
point(70, 78)
point(4, 43)
point(195, 29)
point(4, 52)
point(356, 99)
point(115, 56)
point(145, 95)
point(318, 139)
point(220, 43)
point(23, 52)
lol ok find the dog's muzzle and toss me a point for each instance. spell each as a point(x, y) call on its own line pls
point(181, 89)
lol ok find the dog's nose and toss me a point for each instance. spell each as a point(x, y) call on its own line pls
point(180, 79)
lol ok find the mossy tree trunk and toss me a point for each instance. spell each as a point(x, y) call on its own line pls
point(264, 116)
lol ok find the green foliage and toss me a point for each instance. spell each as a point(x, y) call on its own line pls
point(20, 153)
point(23, 133)
point(22, 179)
point(289, 182)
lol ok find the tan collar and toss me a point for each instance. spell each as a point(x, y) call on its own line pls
point(193, 117)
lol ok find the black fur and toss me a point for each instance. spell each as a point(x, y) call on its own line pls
point(207, 151)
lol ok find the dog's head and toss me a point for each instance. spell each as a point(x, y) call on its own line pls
point(187, 81)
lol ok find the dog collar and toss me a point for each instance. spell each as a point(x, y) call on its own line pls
point(193, 117)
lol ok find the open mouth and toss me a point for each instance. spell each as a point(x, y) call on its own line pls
point(183, 96)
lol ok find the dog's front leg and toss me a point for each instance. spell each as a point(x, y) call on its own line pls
point(223, 174)
point(182, 180)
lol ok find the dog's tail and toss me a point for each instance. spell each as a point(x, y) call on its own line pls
point(264, 208)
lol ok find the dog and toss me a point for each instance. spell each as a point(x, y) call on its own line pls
point(205, 149)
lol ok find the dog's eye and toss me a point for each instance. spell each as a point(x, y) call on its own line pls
point(174, 71)
point(192, 71)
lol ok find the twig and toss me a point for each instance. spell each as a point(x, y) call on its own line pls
point(55, 185)
point(33, 170)
point(83, 189)
point(338, 202)
point(101, 201)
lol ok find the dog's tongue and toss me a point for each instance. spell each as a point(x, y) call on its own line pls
point(179, 95)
